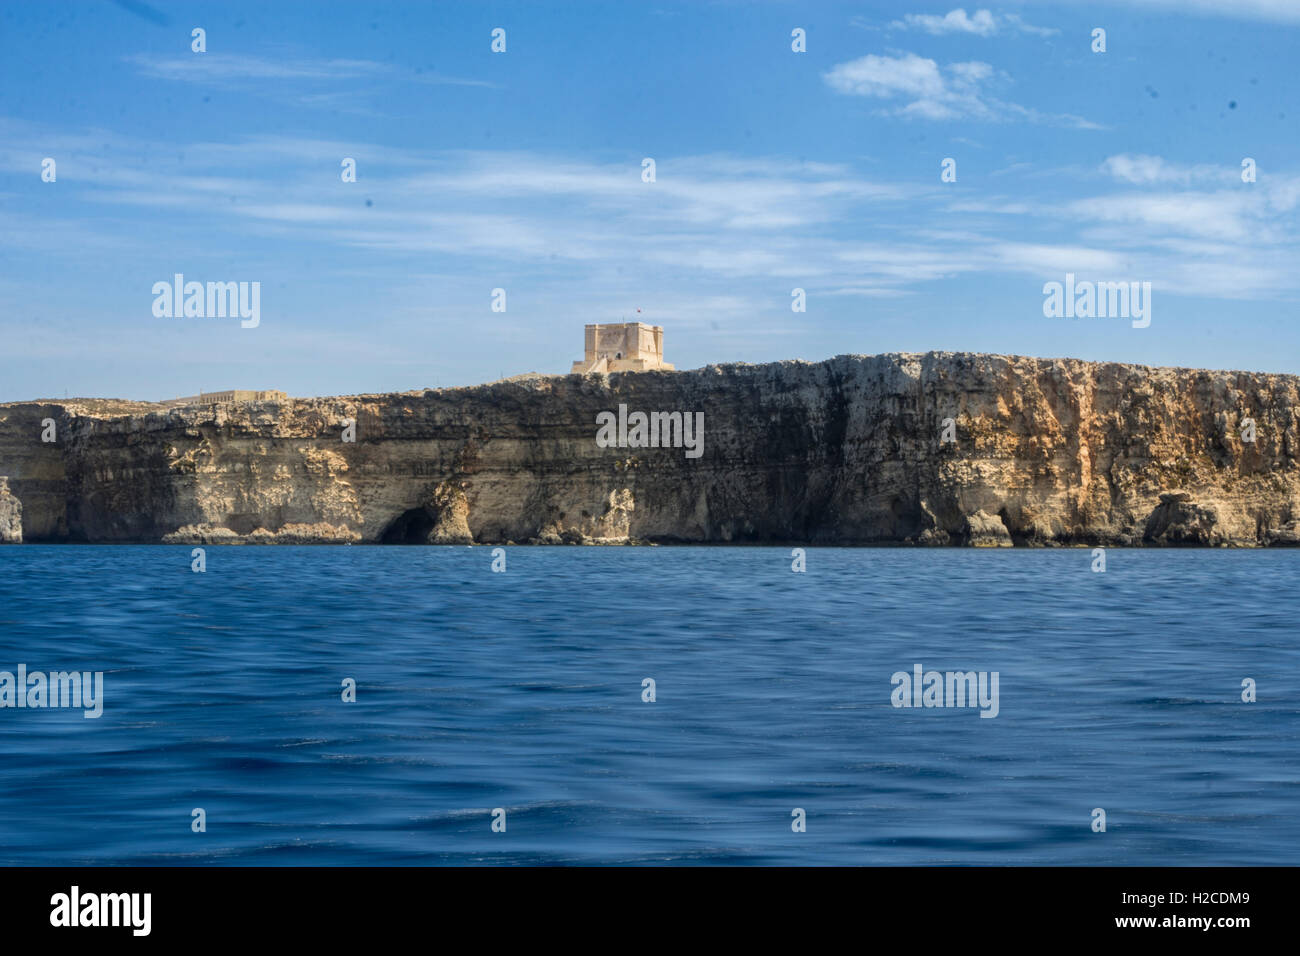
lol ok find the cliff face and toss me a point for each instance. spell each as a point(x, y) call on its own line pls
point(850, 450)
point(11, 516)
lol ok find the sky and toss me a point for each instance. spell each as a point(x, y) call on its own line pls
point(524, 171)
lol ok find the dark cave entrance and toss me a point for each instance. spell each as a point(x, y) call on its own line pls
point(410, 527)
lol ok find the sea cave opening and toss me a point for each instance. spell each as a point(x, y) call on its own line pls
point(410, 527)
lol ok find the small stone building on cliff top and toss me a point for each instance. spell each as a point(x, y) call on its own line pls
point(625, 347)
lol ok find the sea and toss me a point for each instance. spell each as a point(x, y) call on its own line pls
point(650, 706)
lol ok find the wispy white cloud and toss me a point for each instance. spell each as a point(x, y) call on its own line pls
point(981, 23)
point(234, 67)
point(1221, 215)
point(1051, 259)
point(710, 226)
point(1144, 170)
point(1275, 11)
point(928, 91)
point(1015, 21)
point(1227, 241)
point(955, 21)
point(298, 79)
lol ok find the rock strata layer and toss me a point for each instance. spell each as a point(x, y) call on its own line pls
point(11, 515)
point(852, 450)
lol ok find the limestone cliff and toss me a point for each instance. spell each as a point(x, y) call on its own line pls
point(11, 516)
point(853, 450)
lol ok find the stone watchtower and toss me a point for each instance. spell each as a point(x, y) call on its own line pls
point(626, 347)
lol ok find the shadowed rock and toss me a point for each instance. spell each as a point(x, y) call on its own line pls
point(1178, 521)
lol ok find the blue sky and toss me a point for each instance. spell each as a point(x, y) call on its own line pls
point(522, 170)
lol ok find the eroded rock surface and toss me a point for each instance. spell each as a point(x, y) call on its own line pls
point(845, 451)
point(984, 530)
point(1177, 520)
point(11, 515)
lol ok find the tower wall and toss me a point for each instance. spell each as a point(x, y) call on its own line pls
point(622, 347)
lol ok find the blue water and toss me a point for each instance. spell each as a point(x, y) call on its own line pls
point(522, 690)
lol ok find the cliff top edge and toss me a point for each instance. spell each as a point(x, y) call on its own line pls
point(110, 406)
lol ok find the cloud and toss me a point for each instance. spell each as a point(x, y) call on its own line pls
point(982, 23)
point(233, 67)
point(932, 92)
point(1045, 259)
point(1146, 170)
point(711, 215)
point(956, 21)
point(1015, 21)
point(1282, 11)
point(1234, 243)
point(1274, 11)
point(713, 225)
point(299, 79)
point(1223, 215)
point(957, 91)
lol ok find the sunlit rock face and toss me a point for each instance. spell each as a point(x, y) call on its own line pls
point(934, 449)
point(11, 515)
